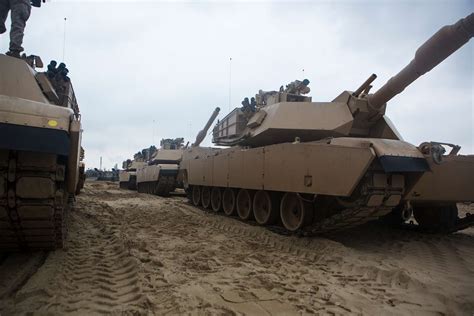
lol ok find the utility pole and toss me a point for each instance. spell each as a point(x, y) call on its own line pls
point(100, 163)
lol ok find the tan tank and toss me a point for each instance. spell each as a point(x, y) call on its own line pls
point(40, 153)
point(318, 167)
point(160, 175)
point(128, 176)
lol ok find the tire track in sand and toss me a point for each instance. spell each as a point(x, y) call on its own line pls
point(100, 271)
point(193, 259)
point(15, 270)
point(440, 253)
point(95, 274)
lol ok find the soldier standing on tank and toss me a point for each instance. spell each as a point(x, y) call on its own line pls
point(20, 12)
point(298, 87)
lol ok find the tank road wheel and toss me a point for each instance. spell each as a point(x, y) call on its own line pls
point(216, 199)
point(294, 212)
point(436, 219)
point(244, 204)
point(265, 209)
point(196, 195)
point(206, 197)
point(228, 201)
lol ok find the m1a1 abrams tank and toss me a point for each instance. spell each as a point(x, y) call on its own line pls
point(160, 175)
point(318, 167)
point(40, 153)
point(128, 176)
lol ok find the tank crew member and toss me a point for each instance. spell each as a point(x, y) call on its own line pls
point(52, 70)
point(263, 96)
point(20, 12)
point(298, 87)
point(253, 104)
point(247, 106)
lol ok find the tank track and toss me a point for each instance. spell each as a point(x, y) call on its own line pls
point(459, 223)
point(463, 223)
point(33, 201)
point(162, 187)
point(165, 185)
point(346, 219)
point(132, 182)
point(123, 185)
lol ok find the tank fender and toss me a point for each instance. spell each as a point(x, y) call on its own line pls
point(394, 155)
point(448, 181)
point(399, 156)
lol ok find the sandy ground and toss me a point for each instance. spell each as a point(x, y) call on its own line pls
point(140, 254)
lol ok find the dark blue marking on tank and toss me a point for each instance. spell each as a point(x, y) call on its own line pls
point(28, 138)
point(403, 164)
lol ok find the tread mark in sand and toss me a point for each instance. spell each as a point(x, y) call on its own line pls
point(97, 274)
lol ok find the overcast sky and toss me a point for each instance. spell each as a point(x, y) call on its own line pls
point(146, 70)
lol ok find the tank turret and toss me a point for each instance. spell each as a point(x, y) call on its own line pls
point(285, 115)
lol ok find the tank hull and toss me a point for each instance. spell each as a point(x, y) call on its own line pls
point(160, 176)
point(344, 181)
point(160, 179)
point(127, 179)
point(449, 181)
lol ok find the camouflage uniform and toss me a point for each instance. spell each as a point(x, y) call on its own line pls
point(20, 12)
point(298, 87)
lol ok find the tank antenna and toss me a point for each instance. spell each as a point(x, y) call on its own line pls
point(153, 133)
point(230, 81)
point(64, 39)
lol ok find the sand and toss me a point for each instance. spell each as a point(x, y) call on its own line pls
point(140, 254)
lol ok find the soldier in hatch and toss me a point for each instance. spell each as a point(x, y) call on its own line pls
point(298, 87)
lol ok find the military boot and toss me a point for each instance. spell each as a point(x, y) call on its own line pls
point(13, 53)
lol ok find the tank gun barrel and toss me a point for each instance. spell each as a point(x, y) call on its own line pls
point(436, 49)
point(202, 134)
